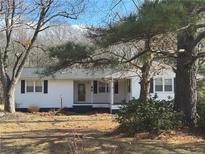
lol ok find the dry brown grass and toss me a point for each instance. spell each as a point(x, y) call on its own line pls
point(77, 134)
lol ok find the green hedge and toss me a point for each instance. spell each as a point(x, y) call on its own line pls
point(201, 115)
point(152, 116)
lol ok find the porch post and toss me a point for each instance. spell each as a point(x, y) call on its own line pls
point(111, 94)
point(91, 92)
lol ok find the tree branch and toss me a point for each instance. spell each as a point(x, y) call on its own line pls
point(200, 10)
point(18, 57)
point(136, 56)
point(9, 27)
point(200, 55)
point(199, 37)
point(202, 25)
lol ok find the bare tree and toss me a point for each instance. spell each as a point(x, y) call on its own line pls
point(37, 16)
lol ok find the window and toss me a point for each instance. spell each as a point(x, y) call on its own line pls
point(29, 86)
point(35, 86)
point(158, 84)
point(102, 87)
point(167, 84)
point(38, 86)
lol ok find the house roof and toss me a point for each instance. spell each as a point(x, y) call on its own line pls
point(73, 74)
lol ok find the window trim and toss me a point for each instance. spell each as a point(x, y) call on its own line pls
point(42, 89)
point(163, 85)
point(171, 84)
point(105, 85)
point(27, 86)
point(34, 86)
point(160, 85)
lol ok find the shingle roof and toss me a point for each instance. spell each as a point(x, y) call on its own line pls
point(72, 74)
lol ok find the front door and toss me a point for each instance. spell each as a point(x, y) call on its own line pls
point(81, 92)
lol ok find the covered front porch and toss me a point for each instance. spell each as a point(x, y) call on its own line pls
point(102, 93)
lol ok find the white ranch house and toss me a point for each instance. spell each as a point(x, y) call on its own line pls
point(80, 88)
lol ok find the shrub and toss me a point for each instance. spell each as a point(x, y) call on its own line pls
point(33, 109)
point(201, 99)
point(152, 116)
point(77, 145)
point(201, 114)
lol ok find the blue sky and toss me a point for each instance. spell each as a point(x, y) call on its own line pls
point(98, 12)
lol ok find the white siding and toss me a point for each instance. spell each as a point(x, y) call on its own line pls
point(122, 92)
point(164, 74)
point(56, 89)
point(135, 87)
point(122, 95)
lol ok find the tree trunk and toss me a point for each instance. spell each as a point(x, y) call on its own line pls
point(187, 67)
point(144, 82)
point(145, 72)
point(8, 93)
point(9, 100)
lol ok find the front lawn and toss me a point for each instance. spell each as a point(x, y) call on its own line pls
point(52, 134)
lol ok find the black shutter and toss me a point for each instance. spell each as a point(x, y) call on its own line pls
point(95, 84)
point(23, 86)
point(151, 86)
point(45, 83)
point(116, 87)
point(174, 84)
point(129, 85)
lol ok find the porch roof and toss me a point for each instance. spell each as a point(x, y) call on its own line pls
point(74, 74)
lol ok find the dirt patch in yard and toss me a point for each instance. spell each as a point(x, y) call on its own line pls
point(51, 133)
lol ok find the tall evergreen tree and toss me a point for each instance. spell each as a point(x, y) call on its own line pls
point(183, 18)
point(142, 26)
